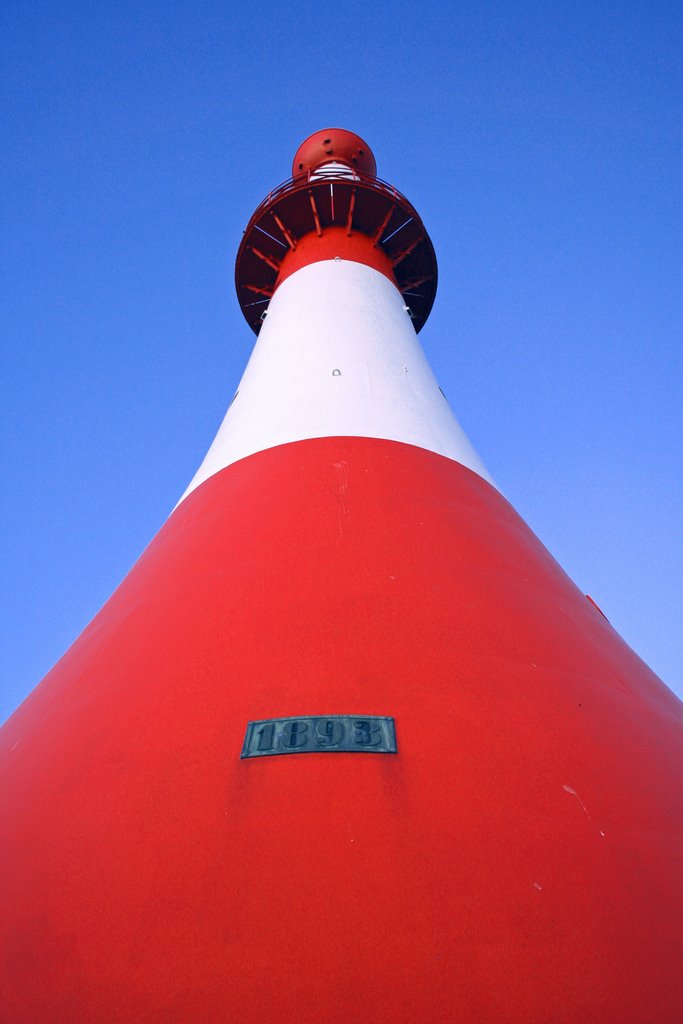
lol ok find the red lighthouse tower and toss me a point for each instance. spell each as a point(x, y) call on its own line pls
point(346, 744)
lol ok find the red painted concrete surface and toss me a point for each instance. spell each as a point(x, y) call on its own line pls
point(336, 242)
point(518, 860)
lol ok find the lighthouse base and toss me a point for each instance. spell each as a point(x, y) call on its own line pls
point(517, 859)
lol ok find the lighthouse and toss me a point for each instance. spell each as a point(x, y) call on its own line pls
point(346, 744)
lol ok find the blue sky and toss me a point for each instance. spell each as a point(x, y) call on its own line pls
point(542, 144)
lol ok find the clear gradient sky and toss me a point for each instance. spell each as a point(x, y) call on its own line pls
point(542, 143)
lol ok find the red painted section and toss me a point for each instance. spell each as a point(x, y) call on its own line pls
point(518, 860)
point(333, 145)
point(332, 243)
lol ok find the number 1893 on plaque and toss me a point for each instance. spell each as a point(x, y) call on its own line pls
point(366, 734)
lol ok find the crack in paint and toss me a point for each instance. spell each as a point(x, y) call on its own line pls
point(343, 482)
point(572, 792)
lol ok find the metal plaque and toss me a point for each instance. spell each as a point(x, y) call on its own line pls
point(320, 734)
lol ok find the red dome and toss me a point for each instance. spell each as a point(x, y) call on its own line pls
point(334, 145)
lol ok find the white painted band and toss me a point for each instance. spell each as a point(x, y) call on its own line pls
point(337, 356)
point(334, 168)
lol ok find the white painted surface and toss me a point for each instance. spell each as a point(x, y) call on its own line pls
point(337, 356)
point(336, 169)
